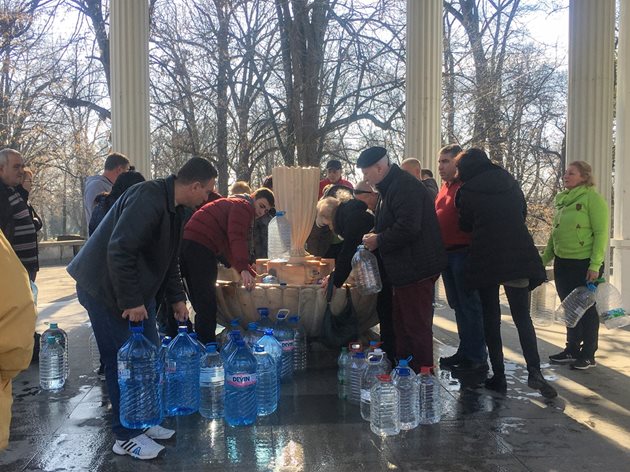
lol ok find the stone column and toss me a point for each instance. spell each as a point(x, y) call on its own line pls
point(621, 225)
point(424, 81)
point(129, 56)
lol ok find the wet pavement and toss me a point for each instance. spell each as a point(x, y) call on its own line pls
point(585, 429)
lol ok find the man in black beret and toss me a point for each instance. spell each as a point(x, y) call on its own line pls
point(408, 242)
point(333, 177)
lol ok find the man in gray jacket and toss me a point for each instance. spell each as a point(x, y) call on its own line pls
point(132, 254)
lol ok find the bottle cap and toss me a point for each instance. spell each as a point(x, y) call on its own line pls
point(253, 326)
point(259, 348)
point(344, 349)
point(403, 363)
point(427, 369)
point(403, 371)
point(166, 340)
point(212, 348)
point(384, 377)
point(282, 314)
point(235, 334)
point(263, 311)
point(294, 318)
point(53, 326)
point(235, 322)
point(182, 329)
point(269, 331)
point(280, 213)
point(137, 329)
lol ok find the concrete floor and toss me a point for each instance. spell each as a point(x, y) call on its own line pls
point(585, 429)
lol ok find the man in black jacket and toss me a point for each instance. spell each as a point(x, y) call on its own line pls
point(132, 254)
point(409, 244)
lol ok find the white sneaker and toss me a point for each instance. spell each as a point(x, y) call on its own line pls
point(158, 432)
point(140, 447)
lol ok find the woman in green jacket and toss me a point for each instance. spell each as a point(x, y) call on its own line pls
point(577, 245)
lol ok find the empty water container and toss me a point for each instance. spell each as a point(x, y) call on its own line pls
point(575, 304)
point(409, 390)
point(366, 271)
point(266, 382)
point(357, 367)
point(279, 237)
point(252, 335)
point(240, 387)
point(139, 382)
point(230, 347)
point(95, 355)
point(211, 383)
point(264, 321)
point(385, 409)
point(300, 344)
point(273, 347)
point(51, 363)
point(284, 334)
point(162, 370)
point(543, 305)
point(343, 361)
point(375, 367)
point(609, 305)
point(430, 396)
point(182, 375)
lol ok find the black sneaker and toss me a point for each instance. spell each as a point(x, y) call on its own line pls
point(583, 364)
point(496, 383)
point(536, 381)
point(470, 366)
point(564, 357)
point(451, 360)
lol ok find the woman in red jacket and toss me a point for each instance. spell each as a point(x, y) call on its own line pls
point(219, 230)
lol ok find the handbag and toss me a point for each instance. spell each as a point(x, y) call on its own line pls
point(340, 329)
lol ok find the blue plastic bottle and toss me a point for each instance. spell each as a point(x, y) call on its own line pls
point(202, 346)
point(264, 321)
point(284, 334)
point(162, 370)
point(266, 382)
point(182, 375)
point(274, 348)
point(252, 335)
point(230, 347)
point(211, 383)
point(240, 387)
point(224, 336)
point(300, 344)
point(139, 382)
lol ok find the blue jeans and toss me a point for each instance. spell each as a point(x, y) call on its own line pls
point(467, 306)
point(111, 331)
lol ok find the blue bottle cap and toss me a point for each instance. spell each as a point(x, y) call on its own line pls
point(269, 331)
point(53, 326)
point(259, 348)
point(235, 322)
point(137, 329)
point(51, 339)
point(280, 213)
point(211, 348)
point(253, 326)
point(403, 363)
point(166, 340)
point(294, 318)
point(263, 311)
point(182, 329)
point(403, 371)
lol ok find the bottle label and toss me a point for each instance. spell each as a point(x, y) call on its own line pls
point(366, 395)
point(287, 346)
point(209, 375)
point(241, 380)
point(123, 373)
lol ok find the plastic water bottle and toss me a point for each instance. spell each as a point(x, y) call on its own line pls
point(274, 349)
point(300, 344)
point(266, 382)
point(385, 408)
point(279, 237)
point(139, 382)
point(51, 361)
point(375, 367)
point(62, 339)
point(211, 383)
point(366, 271)
point(357, 367)
point(352, 351)
point(252, 335)
point(264, 321)
point(224, 336)
point(342, 362)
point(430, 396)
point(402, 363)
point(95, 355)
point(575, 304)
point(378, 352)
point(609, 305)
point(543, 305)
point(162, 370)
point(240, 387)
point(284, 335)
point(230, 347)
point(182, 375)
point(200, 345)
point(409, 390)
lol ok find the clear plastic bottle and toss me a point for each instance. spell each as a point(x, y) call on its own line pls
point(383, 355)
point(62, 339)
point(95, 355)
point(279, 237)
point(240, 387)
point(284, 335)
point(543, 306)
point(300, 344)
point(211, 383)
point(182, 374)
point(385, 408)
point(51, 362)
point(252, 335)
point(162, 370)
point(274, 348)
point(357, 367)
point(343, 361)
point(266, 382)
point(230, 347)
point(375, 367)
point(264, 321)
point(430, 396)
point(224, 336)
point(200, 345)
point(609, 305)
point(139, 382)
point(409, 390)
point(575, 304)
point(366, 271)
point(353, 349)
point(402, 363)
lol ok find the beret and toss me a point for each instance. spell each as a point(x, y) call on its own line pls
point(371, 156)
point(333, 164)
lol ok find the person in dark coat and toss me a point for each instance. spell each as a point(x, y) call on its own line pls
point(220, 229)
point(349, 219)
point(492, 207)
point(407, 237)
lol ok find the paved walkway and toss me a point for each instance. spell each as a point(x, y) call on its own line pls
point(585, 429)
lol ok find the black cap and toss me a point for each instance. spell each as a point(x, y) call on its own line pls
point(371, 156)
point(333, 164)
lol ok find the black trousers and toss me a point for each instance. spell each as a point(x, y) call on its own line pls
point(199, 269)
point(518, 299)
point(384, 307)
point(570, 274)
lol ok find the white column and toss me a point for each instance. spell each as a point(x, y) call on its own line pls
point(591, 72)
point(424, 81)
point(129, 57)
point(621, 239)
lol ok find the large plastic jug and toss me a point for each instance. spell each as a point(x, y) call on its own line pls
point(366, 271)
point(575, 304)
point(609, 305)
point(279, 237)
point(543, 305)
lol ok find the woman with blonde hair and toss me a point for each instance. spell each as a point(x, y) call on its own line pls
point(577, 245)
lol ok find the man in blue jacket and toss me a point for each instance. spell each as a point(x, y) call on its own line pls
point(132, 254)
point(407, 236)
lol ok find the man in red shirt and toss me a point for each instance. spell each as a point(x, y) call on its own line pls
point(333, 177)
point(471, 354)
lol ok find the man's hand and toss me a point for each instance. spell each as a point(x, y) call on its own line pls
point(136, 314)
point(591, 275)
point(326, 281)
point(248, 280)
point(370, 241)
point(180, 311)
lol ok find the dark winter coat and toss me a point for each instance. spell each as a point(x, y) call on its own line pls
point(352, 221)
point(134, 251)
point(409, 240)
point(492, 207)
